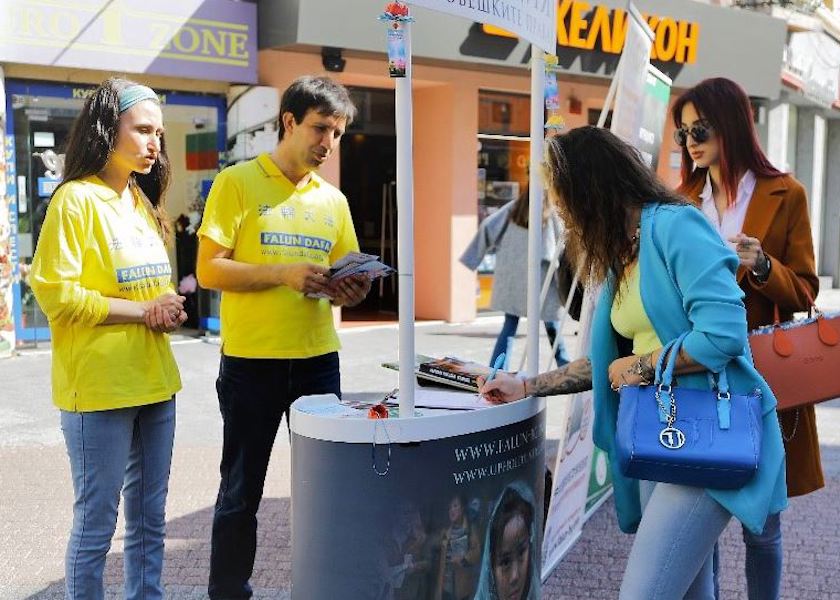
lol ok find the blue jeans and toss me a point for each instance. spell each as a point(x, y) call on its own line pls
point(764, 561)
point(509, 330)
point(128, 449)
point(254, 394)
point(671, 556)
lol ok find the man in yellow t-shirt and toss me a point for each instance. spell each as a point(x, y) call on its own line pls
point(271, 229)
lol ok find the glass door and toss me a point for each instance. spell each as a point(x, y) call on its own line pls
point(38, 123)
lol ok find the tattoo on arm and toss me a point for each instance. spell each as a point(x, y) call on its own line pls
point(647, 371)
point(568, 379)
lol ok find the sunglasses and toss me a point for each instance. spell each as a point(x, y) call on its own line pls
point(700, 132)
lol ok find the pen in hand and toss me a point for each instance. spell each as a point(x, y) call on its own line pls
point(497, 364)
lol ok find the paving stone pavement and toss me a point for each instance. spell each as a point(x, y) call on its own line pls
point(36, 490)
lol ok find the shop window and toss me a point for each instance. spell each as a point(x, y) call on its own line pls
point(41, 118)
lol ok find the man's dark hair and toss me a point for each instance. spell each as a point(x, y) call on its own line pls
point(322, 94)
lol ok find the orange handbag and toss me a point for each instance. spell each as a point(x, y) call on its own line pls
point(799, 359)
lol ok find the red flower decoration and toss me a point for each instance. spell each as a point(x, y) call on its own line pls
point(397, 9)
point(378, 411)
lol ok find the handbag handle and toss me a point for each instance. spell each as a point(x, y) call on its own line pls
point(663, 381)
point(812, 305)
point(827, 334)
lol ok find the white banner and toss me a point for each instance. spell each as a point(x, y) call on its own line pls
point(631, 77)
point(573, 469)
point(571, 482)
point(533, 20)
point(7, 321)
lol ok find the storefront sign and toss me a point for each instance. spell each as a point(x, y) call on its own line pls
point(531, 19)
point(693, 40)
point(202, 39)
point(585, 26)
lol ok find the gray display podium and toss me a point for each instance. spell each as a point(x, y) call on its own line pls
point(447, 501)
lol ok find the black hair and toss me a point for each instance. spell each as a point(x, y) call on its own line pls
point(321, 94)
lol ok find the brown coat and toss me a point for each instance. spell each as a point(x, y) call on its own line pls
point(778, 217)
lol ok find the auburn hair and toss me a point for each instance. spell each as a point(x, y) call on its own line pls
point(726, 106)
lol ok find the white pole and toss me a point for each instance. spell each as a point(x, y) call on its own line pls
point(535, 209)
point(405, 232)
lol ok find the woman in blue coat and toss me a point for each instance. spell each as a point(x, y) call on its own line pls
point(665, 272)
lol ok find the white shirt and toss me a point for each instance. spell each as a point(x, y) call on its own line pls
point(732, 222)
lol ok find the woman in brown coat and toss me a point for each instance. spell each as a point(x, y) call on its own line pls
point(763, 214)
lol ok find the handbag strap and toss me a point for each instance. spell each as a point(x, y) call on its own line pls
point(673, 351)
point(812, 305)
point(660, 362)
point(719, 381)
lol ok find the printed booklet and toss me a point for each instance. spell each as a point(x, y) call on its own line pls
point(448, 371)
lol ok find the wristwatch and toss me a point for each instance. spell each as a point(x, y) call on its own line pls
point(762, 269)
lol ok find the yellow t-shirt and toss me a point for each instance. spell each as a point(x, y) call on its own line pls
point(628, 315)
point(93, 247)
point(257, 212)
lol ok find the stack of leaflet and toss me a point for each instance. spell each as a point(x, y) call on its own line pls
point(359, 262)
point(356, 263)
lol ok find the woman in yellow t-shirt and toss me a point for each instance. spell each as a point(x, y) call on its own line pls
point(102, 276)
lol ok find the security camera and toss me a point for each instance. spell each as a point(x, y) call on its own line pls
point(332, 60)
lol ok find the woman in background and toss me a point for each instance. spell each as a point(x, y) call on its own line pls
point(505, 233)
point(763, 214)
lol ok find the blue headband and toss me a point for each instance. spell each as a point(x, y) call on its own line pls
point(134, 94)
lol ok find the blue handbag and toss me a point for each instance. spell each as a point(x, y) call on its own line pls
point(701, 438)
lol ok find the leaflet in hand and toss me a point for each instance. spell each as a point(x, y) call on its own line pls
point(356, 263)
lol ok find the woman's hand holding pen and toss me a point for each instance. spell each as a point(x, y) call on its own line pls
point(502, 389)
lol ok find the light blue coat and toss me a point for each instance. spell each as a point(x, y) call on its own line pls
point(688, 284)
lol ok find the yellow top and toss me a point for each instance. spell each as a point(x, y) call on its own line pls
point(93, 247)
point(628, 315)
point(264, 218)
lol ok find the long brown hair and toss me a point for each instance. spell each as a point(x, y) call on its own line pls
point(597, 181)
point(92, 140)
point(725, 105)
